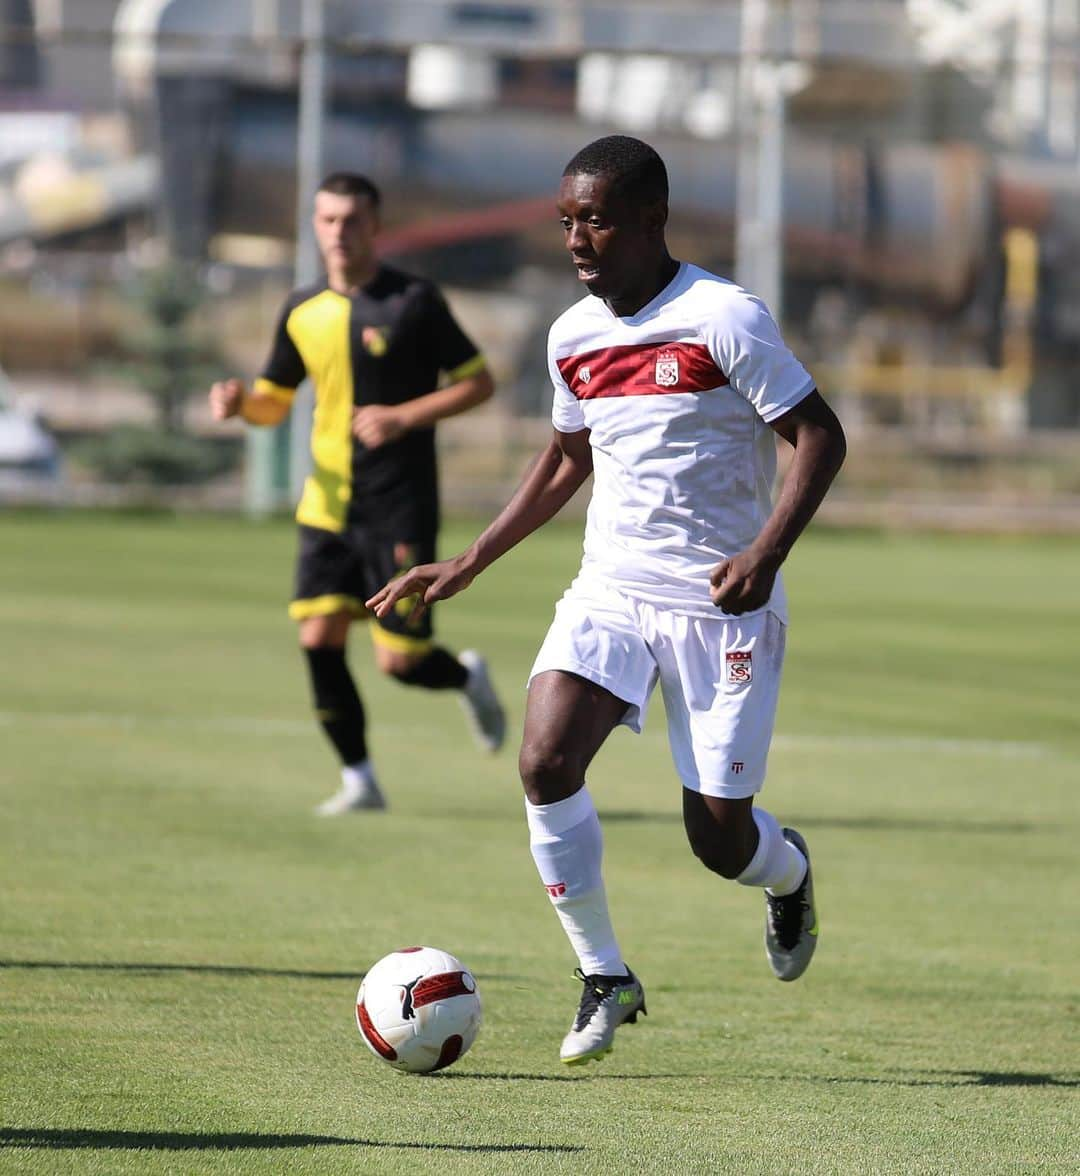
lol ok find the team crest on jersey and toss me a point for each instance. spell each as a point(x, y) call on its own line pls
point(374, 340)
point(740, 667)
point(667, 369)
point(584, 375)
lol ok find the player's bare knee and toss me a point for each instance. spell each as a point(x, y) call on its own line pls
point(400, 669)
point(324, 632)
point(721, 856)
point(397, 663)
point(548, 774)
point(722, 833)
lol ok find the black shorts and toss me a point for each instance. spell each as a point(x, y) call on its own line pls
point(337, 572)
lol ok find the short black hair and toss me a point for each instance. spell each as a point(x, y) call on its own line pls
point(351, 184)
point(636, 170)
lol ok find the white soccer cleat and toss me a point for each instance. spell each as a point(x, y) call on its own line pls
point(606, 1003)
point(359, 791)
point(482, 707)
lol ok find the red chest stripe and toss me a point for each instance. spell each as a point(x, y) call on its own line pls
point(641, 369)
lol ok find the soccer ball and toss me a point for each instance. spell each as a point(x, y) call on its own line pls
point(418, 1009)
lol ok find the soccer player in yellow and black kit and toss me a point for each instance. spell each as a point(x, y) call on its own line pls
point(374, 341)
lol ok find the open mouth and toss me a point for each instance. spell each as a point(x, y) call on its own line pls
point(587, 272)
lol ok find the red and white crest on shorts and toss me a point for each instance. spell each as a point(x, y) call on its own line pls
point(667, 369)
point(740, 666)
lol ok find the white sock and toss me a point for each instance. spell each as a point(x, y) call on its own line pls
point(357, 779)
point(567, 846)
point(777, 864)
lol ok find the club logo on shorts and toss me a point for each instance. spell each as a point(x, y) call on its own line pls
point(583, 374)
point(556, 889)
point(740, 667)
point(374, 340)
point(667, 369)
point(737, 766)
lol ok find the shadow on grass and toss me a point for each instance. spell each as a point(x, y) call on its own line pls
point(1005, 1078)
point(241, 970)
point(949, 1078)
point(872, 824)
point(913, 825)
point(582, 1075)
point(61, 1139)
point(210, 969)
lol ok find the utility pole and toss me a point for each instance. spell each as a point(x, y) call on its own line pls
point(278, 460)
point(760, 167)
point(311, 151)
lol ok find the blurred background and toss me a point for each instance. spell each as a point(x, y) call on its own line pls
point(899, 179)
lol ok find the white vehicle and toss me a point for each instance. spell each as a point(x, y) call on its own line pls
point(29, 453)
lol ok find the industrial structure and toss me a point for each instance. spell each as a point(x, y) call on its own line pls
point(901, 178)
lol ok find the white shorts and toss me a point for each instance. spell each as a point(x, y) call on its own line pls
point(720, 679)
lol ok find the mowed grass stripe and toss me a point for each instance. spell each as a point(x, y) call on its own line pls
point(246, 726)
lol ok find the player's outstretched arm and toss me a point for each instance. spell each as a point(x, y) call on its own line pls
point(745, 581)
point(230, 398)
point(548, 485)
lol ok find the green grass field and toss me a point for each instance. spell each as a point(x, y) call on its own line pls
point(181, 940)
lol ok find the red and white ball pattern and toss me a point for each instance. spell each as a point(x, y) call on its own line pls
point(418, 1009)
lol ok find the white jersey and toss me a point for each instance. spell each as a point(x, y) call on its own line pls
point(677, 399)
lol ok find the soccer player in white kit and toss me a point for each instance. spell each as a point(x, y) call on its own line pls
point(669, 385)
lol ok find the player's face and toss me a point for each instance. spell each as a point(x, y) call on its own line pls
point(611, 240)
point(345, 228)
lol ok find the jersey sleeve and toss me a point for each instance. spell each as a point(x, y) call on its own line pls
point(284, 370)
point(457, 355)
point(566, 414)
point(746, 344)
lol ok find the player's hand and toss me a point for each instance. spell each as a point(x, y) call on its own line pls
point(742, 583)
point(376, 424)
point(226, 399)
point(426, 582)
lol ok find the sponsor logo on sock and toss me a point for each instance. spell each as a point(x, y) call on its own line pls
point(556, 889)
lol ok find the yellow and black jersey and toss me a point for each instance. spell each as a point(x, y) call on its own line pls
point(384, 345)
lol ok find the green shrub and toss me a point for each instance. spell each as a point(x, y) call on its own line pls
point(137, 454)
